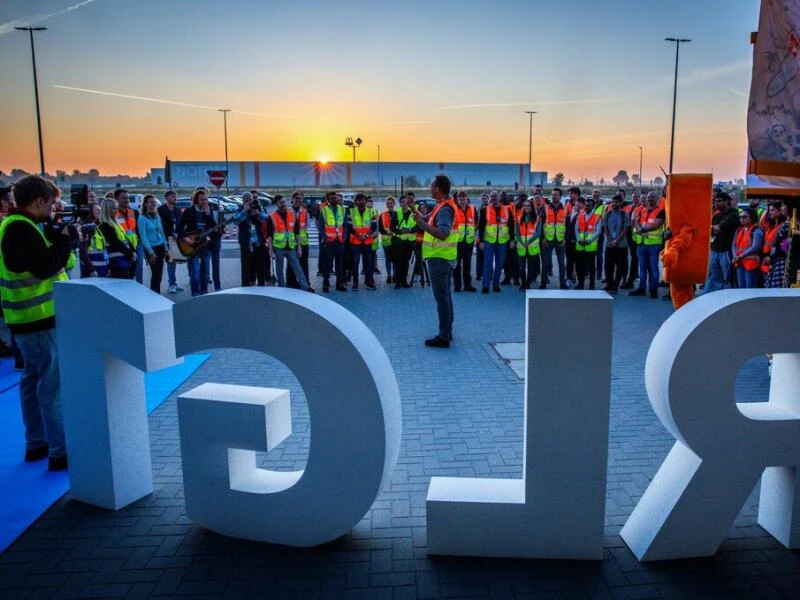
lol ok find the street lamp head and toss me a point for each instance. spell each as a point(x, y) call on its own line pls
point(684, 40)
point(31, 28)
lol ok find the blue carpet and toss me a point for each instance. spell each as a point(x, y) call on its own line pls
point(28, 488)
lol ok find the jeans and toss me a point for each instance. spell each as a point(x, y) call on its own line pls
point(216, 249)
point(199, 266)
point(334, 256)
point(748, 279)
point(494, 256)
point(367, 257)
point(648, 264)
point(440, 272)
point(290, 254)
point(547, 261)
point(388, 260)
point(719, 271)
point(40, 392)
point(616, 266)
point(463, 272)
point(171, 280)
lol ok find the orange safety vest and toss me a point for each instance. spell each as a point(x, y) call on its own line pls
point(126, 219)
point(555, 223)
point(464, 223)
point(362, 228)
point(334, 222)
point(496, 231)
point(741, 243)
point(586, 229)
point(283, 232)
point(769, 243)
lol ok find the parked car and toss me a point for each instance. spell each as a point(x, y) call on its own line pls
point(226, 204)
point(429, 202)
point(312, 204)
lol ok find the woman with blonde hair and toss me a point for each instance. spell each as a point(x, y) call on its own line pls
point(121, 254)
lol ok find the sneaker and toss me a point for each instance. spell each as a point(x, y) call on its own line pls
point(484, 290)
point(173, 289)
point(178, 288)
point(563, 286)
point(57, 463)
point(470, 289)
point(497, 288)
point(437, 342)
point(310, 290)
point(637, 292)
point(36, 454)
point(371, 287)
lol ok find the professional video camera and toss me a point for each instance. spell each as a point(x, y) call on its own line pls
point(77, 213)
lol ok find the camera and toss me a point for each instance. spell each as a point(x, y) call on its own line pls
point(255, 204)
point(79, 211)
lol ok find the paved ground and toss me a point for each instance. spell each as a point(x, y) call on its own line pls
point(462, 415)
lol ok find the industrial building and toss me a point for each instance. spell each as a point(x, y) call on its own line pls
point(261, 174)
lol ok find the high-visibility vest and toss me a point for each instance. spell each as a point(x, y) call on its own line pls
point(769, 242)
point(96, 251)
point(115, 256)
point(283, 230)
point(496, 230)
point(406, 222)
point(555, 227)
point(376, 236)
point(25, 298)
point(465, 224)
point(652, 237)
point(433, 247)
point(586, 228)
point(527, 240)
point(741, 242)
point(334, 223)
point(636, 215)
point(361, 224)
point(127, 220)
point(386, 223)
point(302, 217)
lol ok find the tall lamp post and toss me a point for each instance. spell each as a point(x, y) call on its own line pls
point(678, 42)
point(641, 151)
point(225, 112)
point(530, 113)
point(353, 144)
point(30, 30)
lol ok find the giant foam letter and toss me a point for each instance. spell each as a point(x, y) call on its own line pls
point(354, 411)
point(722, 447)
point(557, 509)
point(109, 331)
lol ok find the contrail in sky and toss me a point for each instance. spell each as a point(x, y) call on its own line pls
point(172, 102)
point(533, 103)
point(6, 27)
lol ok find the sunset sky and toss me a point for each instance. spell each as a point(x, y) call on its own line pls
point(443, 81)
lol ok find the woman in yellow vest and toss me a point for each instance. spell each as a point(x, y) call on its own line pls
point(528, 233)
point(121, 255)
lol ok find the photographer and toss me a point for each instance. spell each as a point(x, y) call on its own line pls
point(31, 260)
point(252, 241)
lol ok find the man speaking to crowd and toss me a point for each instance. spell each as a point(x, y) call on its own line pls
point(31, 260)
point(440, 249)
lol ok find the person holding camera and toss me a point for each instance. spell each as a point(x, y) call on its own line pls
point(252, 241)
point(32, 259)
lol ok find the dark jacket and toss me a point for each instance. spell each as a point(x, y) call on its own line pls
point(24, 250)
point(169, 218)
point(188, 221)
point(728, 222)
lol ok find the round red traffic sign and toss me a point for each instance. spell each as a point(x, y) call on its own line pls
point(216, 178)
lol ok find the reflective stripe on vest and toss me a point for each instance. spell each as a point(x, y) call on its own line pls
point(127, 221)
point(636, 215)
point(433, 247)
point(376, 236)
point(496, 231)
point(465, 224)
point(555, 224)
point(302, 216)
point(527, 240)
point(25, 297)
point(334, 223)
point(652, 237)
point(742, 241)
point(386, 222)
point(586, 229)
point(283, 232)
point(121, 237)
point(360, 223)
point(407, 223)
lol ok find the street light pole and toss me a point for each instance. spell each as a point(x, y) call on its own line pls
point(530, 113)
point(641, 151)
point(225, 112)
point(379, 167)
point(678, 42)
point(30, 30)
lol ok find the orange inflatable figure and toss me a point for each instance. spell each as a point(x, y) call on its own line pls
point(685, 256)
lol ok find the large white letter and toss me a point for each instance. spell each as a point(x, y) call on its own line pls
point(354, 411)
point(557, 509)
point(109, 331)
point(722, 447)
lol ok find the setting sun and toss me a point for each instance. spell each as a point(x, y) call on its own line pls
point(324, 160)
